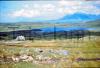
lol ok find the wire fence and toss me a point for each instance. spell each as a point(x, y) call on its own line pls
point(38, 34)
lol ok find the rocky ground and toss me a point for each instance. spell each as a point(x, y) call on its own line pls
point(50, 53)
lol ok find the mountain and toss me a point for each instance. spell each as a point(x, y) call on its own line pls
point(77, 17)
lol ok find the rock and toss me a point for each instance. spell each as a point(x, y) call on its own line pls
point(20, 38)
point(60, 52)
point(29, 59)
point(39, 50)
point(50, 50)
point(39, 57)
point(23, 57)
point(63, 52)
point(15, 59)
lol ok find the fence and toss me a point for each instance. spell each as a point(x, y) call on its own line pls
point(33, 34)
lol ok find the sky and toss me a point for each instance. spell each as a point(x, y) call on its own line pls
point(37, 11)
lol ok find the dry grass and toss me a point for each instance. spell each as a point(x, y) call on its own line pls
point(77, 49)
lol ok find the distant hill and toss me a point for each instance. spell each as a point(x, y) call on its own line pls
point(72, 20)
point(76, 18)
point(95, 23)
point(80, 17)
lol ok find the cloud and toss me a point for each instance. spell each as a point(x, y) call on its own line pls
point(48, 7)
point(57, 9)
point(69, 3)
point(70, 7)
point(26, 13)
point(37, 10)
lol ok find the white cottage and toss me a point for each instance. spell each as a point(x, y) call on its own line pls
point(20, 38)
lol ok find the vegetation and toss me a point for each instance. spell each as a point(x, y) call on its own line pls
point(86, 48)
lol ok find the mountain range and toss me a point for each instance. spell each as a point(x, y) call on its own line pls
point(77, 18)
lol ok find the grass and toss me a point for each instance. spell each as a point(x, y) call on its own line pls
point(76, 49)
point(23, 26)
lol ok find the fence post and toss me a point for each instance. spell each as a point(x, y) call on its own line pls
point(89, 35)
point(13, 28)
point(54, 32)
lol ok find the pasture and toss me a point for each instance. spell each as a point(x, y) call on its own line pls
point(59, 53)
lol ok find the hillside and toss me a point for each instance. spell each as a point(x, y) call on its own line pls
point(77, 18)
point(93, 24)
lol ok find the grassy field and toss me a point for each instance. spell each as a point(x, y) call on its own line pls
point(26, 26)
point(88, 49)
